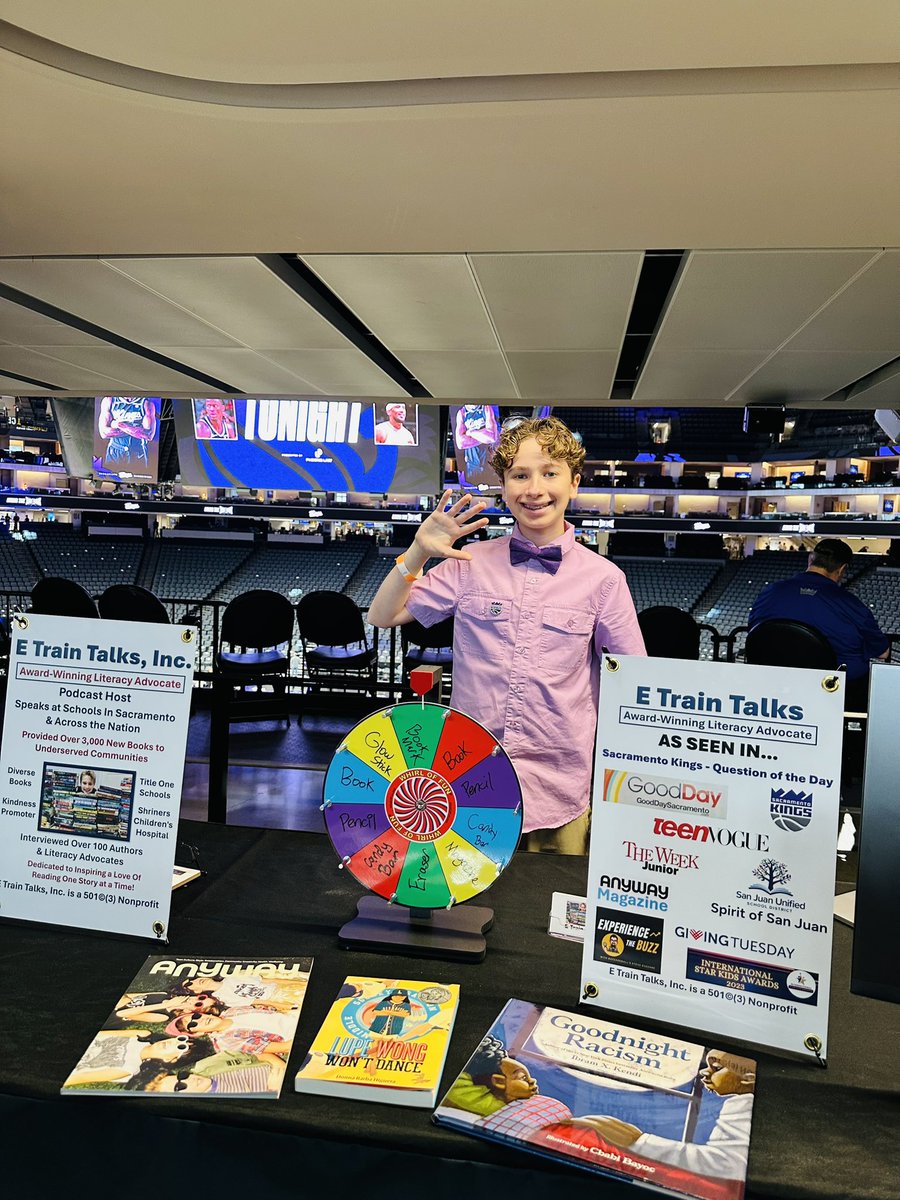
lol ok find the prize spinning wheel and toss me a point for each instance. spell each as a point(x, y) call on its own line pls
point(423, 805)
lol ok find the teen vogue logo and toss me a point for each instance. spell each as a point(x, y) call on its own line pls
point(740, 839)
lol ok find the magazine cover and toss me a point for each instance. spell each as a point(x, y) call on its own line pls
point(567, 916)
point(216, 1027)
point(641, 1106)
point(384, 1040)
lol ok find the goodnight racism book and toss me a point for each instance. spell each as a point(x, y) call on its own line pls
point(188, 1026)
point(655, 1110)
point(383, 1040)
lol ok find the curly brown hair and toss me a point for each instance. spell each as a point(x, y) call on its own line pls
point(554, 438)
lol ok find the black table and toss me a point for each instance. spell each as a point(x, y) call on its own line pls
point(816, 1132)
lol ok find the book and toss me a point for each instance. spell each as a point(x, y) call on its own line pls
point(845, 907)
point(567, 916)
point(652, 1109)
point(197, 1026)
point(384, 1040)
point(183, 875)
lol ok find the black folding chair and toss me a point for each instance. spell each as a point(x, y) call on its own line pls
point(783, 643)
point(428, 647)
point(669, 632)
point(336, 651)
point(54, 596)
point(254, 651)
point(128, 602)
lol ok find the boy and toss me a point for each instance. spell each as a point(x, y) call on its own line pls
point(532, 613)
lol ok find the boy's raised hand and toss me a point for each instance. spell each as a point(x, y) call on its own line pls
point(440, 530)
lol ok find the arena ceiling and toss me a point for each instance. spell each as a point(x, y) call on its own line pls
point(452, 200)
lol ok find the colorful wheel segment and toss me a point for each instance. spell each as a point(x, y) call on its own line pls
point(422, 805)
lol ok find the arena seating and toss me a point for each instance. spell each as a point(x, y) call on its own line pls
point(667, 581)
point(190, 570)
point(95, 564)
point(367, 580)
point(717, 593)
point(880, 589)
point(290, 568)
point(19, 570)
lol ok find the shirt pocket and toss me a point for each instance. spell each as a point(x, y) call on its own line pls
point(483, 624)
point(566, 636)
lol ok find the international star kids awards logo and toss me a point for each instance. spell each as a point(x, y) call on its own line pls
point(790, 810)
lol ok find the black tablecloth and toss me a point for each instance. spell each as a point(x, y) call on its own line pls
point(816, 1132)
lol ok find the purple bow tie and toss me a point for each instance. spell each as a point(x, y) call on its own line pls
point(548, 556)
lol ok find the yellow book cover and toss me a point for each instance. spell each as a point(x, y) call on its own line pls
point(383, 1040)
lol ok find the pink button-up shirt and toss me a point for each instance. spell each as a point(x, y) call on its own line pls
point(526, 662)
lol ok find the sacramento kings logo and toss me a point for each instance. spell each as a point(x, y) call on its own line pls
point(791, 810)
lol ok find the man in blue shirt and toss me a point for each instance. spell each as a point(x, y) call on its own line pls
point(816, 598)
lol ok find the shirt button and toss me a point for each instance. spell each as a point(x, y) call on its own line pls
point(571, 624)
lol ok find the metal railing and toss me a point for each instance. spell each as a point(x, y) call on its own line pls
point(206, 617)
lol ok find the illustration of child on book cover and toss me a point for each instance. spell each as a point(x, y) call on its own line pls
point(616, 1099)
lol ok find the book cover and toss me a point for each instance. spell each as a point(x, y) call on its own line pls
point(383, 1040)
point(183, 875)
point(645, 1107)
point(197, 1026)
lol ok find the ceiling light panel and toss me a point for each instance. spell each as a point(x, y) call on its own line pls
point(558, 301)
point(238, 296)
point(456, 374)
point(410, 301)
point(737, 306)
point(68, 376)
point(245, 370)
point(337, 372)
point(856, 332)
point(27, 328)
point(90, 289)
point(559, 377)
point(130, 369)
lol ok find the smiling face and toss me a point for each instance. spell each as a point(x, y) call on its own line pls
point(169, 1049)
point(190, 1083)
point(396, 413)
point(537, 490)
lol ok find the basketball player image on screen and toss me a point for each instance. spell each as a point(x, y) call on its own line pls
point(214, 420)
point(393, 431)
point(476, 432)
point(128, 425)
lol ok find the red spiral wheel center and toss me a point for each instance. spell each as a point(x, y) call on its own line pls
point(420, 805)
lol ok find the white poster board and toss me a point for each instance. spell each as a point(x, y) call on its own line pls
point(94, 738)
point(712, 860)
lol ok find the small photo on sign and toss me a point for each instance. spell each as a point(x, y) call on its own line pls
point(87, 802)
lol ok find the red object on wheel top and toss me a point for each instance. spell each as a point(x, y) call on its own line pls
point(423, 679)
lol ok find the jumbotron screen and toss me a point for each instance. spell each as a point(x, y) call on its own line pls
point(126, 438)
point(309, 445)
point(475, 432)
